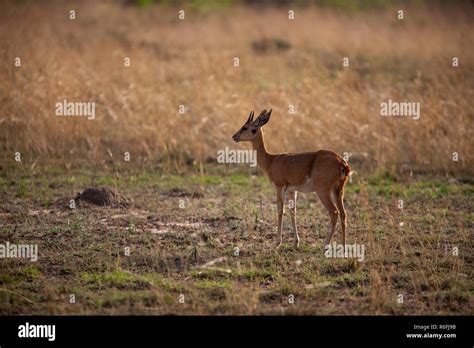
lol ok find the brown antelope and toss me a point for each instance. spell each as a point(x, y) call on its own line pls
point(323, 172)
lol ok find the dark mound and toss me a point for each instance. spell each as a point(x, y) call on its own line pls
point(103, 196)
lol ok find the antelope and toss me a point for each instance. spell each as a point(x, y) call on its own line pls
point(323, 172)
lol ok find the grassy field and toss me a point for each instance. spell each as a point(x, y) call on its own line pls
point(201, 236)
point(190, 63)
point(176, 226)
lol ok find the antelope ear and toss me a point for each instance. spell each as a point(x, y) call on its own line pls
point(264, 117)
point(250, 119)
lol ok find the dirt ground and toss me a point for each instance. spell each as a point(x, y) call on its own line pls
point(205, 244)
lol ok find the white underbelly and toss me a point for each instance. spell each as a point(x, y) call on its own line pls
point(306, 186)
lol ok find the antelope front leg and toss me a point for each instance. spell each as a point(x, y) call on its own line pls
point(280, 206)
point(292, 206)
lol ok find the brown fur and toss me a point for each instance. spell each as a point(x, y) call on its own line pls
point(323, 172)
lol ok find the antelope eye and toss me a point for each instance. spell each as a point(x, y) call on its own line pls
point(254, 131)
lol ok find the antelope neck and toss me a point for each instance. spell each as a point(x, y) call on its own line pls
point(263, 157)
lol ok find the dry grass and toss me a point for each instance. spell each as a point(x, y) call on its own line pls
point(191, 63)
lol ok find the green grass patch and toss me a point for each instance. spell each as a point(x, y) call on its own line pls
point(210, 284)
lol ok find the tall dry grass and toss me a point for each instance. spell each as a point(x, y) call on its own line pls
point(190, 62)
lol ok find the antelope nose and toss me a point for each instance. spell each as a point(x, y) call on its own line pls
point(234, 137)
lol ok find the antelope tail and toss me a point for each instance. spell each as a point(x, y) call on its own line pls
point(345, 169)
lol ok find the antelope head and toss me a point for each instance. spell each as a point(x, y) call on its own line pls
point(251, 129)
